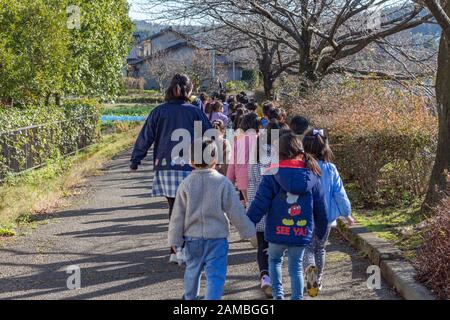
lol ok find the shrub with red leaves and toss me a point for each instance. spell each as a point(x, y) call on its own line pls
point(433, 259)
point(383, 138)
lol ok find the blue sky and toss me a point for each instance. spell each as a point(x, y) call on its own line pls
point(135, 12)
point(136, 9)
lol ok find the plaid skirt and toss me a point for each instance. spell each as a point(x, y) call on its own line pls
point(166, 182)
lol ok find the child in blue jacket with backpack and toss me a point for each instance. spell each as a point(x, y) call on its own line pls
point(291, 197)
point(316, 143)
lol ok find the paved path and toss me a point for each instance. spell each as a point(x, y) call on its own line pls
point(117, 236)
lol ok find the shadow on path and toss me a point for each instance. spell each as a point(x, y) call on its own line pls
point(118, 238)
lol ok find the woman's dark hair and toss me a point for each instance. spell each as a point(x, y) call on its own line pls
point(211, 150)
point(222, 96)
point(203, 97)
point(232, 107)
point(316, 143)
point(215, 107)
point(250, 121)
point(240, 112)
point(180, 88)
point(266, 107)
point(251, 106)
point(291, 147)
point(299, 124)
point(242, 98)
point(208, 107)
point(276, 114)
point(215, 95)
point(231, 99)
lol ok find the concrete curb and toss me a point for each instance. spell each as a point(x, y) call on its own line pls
point(398, 272)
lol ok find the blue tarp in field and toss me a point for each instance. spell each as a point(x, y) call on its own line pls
point(122, 118)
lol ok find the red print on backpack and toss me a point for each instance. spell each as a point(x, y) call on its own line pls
point(295, 210)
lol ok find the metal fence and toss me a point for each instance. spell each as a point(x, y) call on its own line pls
point(21, 149)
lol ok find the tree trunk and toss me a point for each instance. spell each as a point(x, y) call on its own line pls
point(307, 67)
point(268, 86)
point(265, 67)
point(307, 76)
point(440, 177)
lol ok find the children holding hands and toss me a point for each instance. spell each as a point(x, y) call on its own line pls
point(205, 203)
point(297, 201)
point(291, 197)
point(316, 143)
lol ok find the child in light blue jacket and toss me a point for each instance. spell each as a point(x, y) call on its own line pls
point(315, 142)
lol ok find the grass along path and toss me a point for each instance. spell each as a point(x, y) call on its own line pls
point(117, 235)
point(44, 190)
point(128, 109)
point(400, 226)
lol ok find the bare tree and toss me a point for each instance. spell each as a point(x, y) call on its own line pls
point(320, 32)
point(439, 186)
point(196, 63)
point(271, 58)
point(199, 68)
point(161, 68)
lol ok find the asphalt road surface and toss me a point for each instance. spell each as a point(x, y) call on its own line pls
point(116, 235)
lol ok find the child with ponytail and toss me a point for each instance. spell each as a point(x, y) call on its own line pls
point(291, 198)
point(265, 155)
point(244, 143)
point(216, 113)
point(316, 143)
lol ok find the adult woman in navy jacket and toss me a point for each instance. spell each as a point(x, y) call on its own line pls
point(175, 113)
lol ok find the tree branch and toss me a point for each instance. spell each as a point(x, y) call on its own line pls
point(373, 74)
point(439, 14)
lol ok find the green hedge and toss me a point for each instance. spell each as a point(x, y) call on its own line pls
point(252, 77)
point(49, 132)
point(236, 86)
point(140, 99)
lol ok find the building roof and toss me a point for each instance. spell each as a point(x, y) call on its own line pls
point(162, 32)
point(134, 61)
point(170, 29)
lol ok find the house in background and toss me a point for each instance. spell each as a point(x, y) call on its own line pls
point(180, 49)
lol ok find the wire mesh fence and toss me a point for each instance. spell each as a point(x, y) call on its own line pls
point(29, 148)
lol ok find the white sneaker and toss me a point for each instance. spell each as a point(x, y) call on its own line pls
point(266, 286)
point(319, 280)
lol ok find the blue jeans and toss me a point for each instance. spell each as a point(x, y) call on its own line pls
point(295, 255)
point(210, 255)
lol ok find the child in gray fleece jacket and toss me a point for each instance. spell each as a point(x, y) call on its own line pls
point(205, 202)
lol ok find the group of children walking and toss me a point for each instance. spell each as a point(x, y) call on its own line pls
point(283, 205)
